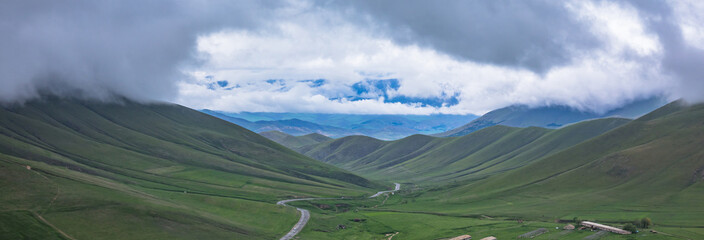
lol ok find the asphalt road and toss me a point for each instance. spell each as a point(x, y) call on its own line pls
point(305, 214)
point(398, 187)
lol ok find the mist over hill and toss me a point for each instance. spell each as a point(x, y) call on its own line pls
point(550, 116)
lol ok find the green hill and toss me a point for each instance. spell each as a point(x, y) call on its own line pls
point(89, 170)
point(611, 171)
point(550, 116)
point(425, 159)
point(342, 150)
point(295, 142)
point(652, 166)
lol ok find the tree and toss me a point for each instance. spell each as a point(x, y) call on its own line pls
point(645, 222)
point(630, 227)
point(576, 220)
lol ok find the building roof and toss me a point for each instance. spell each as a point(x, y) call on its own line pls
point(463, 237)
point(605, 227)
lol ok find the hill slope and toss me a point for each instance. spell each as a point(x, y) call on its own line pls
point(295, 142)
point(549, 117)
point(425, 159)
point(132, 171)
point(652, 166)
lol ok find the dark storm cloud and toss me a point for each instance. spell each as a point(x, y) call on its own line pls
point(535, 35)
point(680, 59)
point(100, 49)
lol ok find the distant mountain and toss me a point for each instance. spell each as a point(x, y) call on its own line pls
point(386, 127)
point(549, 116)
point(149, 171)
point(289, 126)
point(295, 142)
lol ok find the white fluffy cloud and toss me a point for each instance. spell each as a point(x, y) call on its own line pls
point(315, 43)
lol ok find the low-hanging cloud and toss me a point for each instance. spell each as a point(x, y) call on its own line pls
point(681, 59)
point(102, 49)
point(470, 56)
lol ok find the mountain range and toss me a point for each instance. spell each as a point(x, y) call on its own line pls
point(550, 116)
point(339, 125)
point(79, 169)
point(422, 158)
point(610, 169)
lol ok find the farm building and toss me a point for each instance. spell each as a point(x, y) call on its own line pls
point(568, 227)
point(604, 227)
point(463, 237)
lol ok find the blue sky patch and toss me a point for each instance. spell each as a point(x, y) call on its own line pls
point(376, 88)
point(314, 83)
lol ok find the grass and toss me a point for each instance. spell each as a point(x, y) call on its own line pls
point(295, 142)
point(425, 159)
point(362, 220)
point(134, 171)
point(650, 167)
point(160, 171)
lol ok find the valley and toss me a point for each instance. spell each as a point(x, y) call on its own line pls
point(615, 171)
point(87, 163)
point(351, 120)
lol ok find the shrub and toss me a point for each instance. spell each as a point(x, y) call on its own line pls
point(645, 222)
point(630, 227)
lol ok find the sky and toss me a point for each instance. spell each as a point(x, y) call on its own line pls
point(363, 57)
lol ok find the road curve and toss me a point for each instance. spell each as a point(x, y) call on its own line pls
point(396, 188)
point(305, 214)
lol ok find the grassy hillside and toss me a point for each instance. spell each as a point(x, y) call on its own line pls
point(87, 170)
point(652, 166)
point(341, 150)
point(425, 159)
point(295, 142)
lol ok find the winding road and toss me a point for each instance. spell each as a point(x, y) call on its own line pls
point(305, 214)
point(398, 187)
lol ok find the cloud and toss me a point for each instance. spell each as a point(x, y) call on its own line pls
point(100, 49)
point(535, 35)
point(680, 34)
point(454, 57)
point(358, 63)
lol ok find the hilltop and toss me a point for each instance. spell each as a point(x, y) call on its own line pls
point(295, 142)
point(550, 116)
